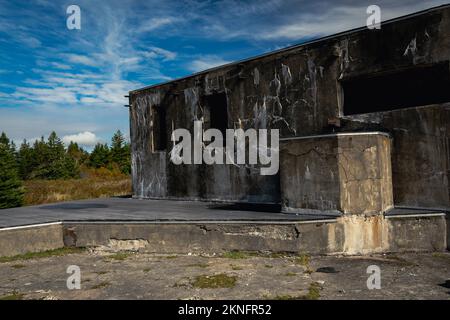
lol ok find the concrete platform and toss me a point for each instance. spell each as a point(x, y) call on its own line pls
point(165, 226)
point(158, 226)
point(135, 210)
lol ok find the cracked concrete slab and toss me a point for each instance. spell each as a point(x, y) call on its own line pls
point(132, 275)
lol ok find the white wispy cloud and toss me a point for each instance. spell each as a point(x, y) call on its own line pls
point(206, 62)
point(45, 95)
point(333, 19)
point(155, 23)
point(61, 66)
point(166, 54)
point(81, 59)
point(28, 40)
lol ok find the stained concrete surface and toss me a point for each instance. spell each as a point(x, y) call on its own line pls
point(348, 173)
point(128, 209)
point(302, 91)
point(258, 276)
point(182, 227)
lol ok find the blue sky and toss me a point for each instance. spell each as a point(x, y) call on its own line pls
point(74, 81)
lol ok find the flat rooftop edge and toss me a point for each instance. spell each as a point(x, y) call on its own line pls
point(293, 47)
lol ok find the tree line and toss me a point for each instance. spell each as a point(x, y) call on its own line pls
point(50, 159)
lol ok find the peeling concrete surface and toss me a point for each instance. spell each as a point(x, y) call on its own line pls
point(156, 276)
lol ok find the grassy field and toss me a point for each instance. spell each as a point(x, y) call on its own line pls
point(94, 184)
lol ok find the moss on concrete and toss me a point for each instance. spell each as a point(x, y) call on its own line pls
point(13, 296)
point(235, 255)
point(215, 281)
point(101, 285)
point(313, 294)
point(43, 254)
point(119, 256)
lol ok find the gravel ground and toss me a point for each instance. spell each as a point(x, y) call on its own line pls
point(131, 275)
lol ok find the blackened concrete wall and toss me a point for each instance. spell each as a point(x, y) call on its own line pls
point(299, 91)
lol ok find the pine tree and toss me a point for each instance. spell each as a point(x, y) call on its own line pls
point(126, 165)
point(51, 161)
point(100, 156)
point(77, 153)
point(11, 193)
point(25, 160)
point(120, 152)
point(39, 159)
point(4, 139)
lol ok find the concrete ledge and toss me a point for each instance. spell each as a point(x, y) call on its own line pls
point(350, 235)
point(32, 238)
point(418, 233)
point(211, 237)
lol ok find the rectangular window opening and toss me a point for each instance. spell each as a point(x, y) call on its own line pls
point(218, 111)
point(412, 87)
point(159, 128)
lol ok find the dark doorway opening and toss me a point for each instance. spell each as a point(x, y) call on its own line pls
point(218, 111)
point(412, 87)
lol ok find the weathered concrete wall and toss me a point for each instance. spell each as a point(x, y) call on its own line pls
point(365, 234)
point(214, 238)
point(298, 91)
point(348, 173)
point(417, 234)
point(349, 234)
point(375, 234)
point(420, 153)
point(15, 241)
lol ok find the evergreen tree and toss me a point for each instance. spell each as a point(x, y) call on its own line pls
point(12, 147)
point(25, 160)
point(11, 193)
point(126, 165)
point(100, 156)
point(77, 153)
point(4, 139)
point(51, 160)
point(39, 161)
point(120, 153)
point(70, 169)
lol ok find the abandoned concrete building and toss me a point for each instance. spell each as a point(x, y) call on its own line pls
point(364, 155)
point(364, 130)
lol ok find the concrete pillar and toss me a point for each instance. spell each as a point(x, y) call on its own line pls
point(346, 173)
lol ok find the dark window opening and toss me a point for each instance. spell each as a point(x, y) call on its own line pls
point(419, 86)
point(217, 105)
point(159, 129)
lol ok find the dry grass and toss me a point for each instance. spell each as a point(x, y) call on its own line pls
point(93, 185)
